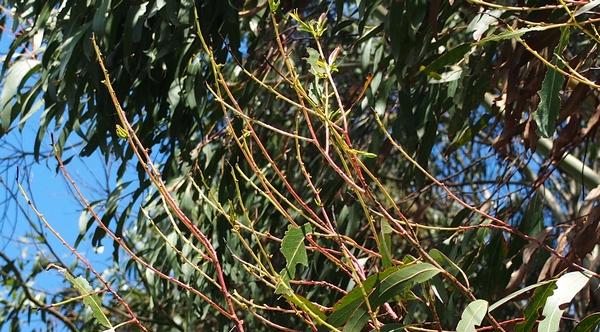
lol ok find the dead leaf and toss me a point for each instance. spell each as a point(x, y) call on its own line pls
point(552, 265)
point(592, 123)
point(586, 237)
point(434, 9)
point(574, 101)
point(516, 278)
point(530, 135)
point(384, 153)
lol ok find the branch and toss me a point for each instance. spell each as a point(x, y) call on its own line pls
point(21, 283)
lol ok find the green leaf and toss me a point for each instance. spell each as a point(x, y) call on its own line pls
point(352, 310)
point(283, 284)
point(395, 29)
point(587, 7)
point(549, 106)
point(567, 286)
point(304, 302)
point(366, 55)
point(439, 289)
point(92, 301)
point(468, 133)
point(510, 34)
point(317, 66)
point(121, 132)
point(531, 312)
point(449, 58)
point(385, 246)
point(17, 76)
point(444, 261)
point(363, 153)
point(293, 249)
point(472, 316)
point(517, 293)
point(274, 5)
point(99, 21)
point(588, 324)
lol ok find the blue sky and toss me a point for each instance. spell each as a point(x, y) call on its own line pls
point(52, 196)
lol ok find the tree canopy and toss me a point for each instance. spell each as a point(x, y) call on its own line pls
point(313, 165)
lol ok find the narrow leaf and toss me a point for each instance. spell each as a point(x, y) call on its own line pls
point(549, 106)
point(92, 301)
point(587, 7)
point(517, 293)
point(451, 57)
point(509, 35)
point(17, 75)
point(444, 261)
point(588, 324)
point(301, 301)
point(537, 302)
point(385, 246)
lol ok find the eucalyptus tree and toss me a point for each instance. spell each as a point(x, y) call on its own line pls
point(316, 165)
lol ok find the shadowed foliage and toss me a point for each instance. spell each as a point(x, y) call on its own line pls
point(314, 165)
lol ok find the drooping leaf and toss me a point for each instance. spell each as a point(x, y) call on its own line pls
point(549, 106)
point(17, 76)
point(385, 246)
point(445, 262)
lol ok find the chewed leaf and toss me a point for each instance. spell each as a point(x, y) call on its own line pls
point(535, 305)
point(567, 286)
point(293, 248)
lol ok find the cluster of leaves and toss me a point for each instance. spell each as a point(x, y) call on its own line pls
point(311, 167)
